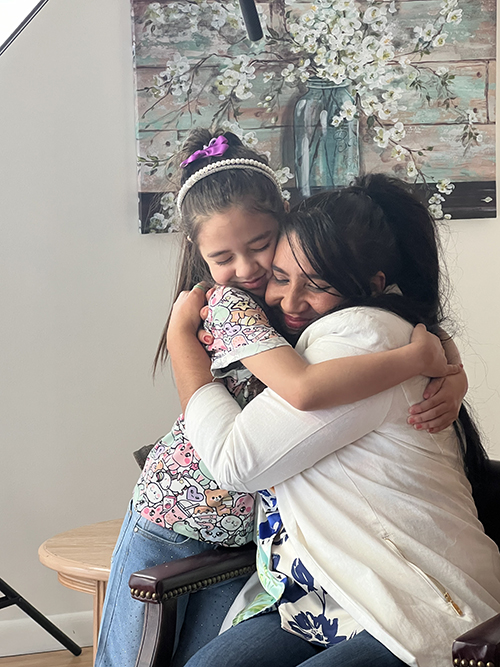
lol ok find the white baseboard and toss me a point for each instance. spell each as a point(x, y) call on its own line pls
point(26, 636)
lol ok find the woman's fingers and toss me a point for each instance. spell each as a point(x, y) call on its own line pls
point(419, 332)
point(205, 337)
point(185, 313)
point(203, 286)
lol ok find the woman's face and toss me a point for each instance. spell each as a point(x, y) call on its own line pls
point(291, 290)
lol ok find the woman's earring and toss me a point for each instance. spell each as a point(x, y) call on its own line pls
point(377, 283)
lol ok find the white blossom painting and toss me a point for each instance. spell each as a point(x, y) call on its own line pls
point(335, 89)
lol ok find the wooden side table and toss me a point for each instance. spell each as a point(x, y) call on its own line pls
point(82, 559)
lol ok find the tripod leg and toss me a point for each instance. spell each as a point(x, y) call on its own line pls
point(37, 616)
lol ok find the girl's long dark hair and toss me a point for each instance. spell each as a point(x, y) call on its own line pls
point(379, 224)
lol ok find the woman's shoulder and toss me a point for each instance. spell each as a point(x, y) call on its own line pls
point(361, 326)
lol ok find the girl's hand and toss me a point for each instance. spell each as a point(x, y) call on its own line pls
point(185, 317)
point(431, 354)
point(443, 398)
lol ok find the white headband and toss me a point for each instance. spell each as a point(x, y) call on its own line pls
point(223, 165)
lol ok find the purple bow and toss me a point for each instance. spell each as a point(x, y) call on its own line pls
point(215, 148)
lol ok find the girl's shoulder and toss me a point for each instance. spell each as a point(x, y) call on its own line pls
point(240, 327)
point(228, 295)
point(362, 326)
point(237, 305)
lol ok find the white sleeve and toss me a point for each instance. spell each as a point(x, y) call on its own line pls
point(270, 441)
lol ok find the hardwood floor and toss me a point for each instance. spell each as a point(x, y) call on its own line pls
point(56, 659)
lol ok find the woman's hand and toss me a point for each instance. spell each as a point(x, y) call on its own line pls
point(442, 400)
point(431, 354)
point(185, 317)
point(190, 362)
point(204, 336)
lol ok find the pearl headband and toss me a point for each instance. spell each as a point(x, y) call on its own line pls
point(224, 165)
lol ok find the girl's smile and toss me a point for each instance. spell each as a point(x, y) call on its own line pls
point(238, 246)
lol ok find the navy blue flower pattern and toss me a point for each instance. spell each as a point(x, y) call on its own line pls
point(306, 609)
point(302, 575)
point(317, 629)
point(270, 527)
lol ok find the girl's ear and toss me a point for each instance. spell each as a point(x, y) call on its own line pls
point(377, 283)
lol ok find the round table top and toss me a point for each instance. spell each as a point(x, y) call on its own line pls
point(82, 552)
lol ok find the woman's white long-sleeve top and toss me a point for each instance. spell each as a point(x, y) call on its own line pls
point(381, 514)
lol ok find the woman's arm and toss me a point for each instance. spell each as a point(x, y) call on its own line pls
point(190, 362)
point(268, 441)
point(349, 379)
point(271, 441)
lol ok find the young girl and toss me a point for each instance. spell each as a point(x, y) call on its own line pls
point(230, 203)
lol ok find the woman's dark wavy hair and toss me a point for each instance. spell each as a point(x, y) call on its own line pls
point(379, 224)
point(211, 195)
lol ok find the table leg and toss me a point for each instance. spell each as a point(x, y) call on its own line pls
point(99, 593)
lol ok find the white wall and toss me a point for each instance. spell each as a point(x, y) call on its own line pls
point(84, 297)
point(474, 268)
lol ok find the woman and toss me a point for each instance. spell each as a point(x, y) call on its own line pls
point(372, 554)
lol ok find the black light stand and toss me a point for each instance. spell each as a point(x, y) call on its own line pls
point(11, 597)
point(22, 25)
point(251, 18)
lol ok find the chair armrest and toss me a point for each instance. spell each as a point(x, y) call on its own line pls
point(191, 574)
point(479, 646)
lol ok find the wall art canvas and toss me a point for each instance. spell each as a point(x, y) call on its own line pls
point(336, 88)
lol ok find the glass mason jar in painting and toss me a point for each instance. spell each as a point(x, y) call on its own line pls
point(325, 156)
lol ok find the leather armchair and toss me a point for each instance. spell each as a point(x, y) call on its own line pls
point(160, 586)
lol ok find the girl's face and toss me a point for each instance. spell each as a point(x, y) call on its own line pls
point(292, 292)
point(238, 245)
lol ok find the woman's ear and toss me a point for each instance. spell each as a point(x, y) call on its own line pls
point(377, 283)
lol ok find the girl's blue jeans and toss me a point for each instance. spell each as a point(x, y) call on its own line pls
point(261, 641)
point(143, 544)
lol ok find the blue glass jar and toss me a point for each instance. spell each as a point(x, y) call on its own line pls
point(325, 156)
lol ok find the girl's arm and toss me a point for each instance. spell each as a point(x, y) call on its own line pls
point(308, 386)
point(349, 379)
